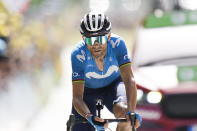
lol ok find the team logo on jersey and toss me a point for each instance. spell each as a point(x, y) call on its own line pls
point(119, 99)
point(75, 74)
point(126, 57)
point(117, 42)
point(81, 57)
point(109, 72)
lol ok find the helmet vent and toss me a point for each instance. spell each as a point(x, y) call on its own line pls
point(94, 23)
point(93, 19)
point(88, 22)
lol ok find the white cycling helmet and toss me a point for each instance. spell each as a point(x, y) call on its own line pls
point(95, 23)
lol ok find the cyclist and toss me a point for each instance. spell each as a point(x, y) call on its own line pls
point(101, 69)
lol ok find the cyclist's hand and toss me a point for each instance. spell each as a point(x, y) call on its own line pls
point(98, 123)
point(138, 119)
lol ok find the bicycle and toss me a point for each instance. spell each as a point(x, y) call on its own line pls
point(99, 106)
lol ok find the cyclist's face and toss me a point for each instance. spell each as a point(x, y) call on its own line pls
point(98, 49)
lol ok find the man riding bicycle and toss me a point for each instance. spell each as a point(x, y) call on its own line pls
point(101, 69)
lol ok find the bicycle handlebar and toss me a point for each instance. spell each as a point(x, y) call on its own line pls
point(72, 121)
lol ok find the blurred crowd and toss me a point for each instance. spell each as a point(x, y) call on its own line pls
point(32, 48)
point(30, 65)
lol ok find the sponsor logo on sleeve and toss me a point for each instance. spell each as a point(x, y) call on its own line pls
point(75, 74)
point(126, 57)
point(81, 57)
point(117, 42)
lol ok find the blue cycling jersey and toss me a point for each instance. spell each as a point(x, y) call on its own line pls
point(84, 68)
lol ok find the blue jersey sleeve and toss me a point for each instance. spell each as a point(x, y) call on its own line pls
point(121, 53)
point(77, 62)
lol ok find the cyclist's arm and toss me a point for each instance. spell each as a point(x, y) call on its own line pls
point(124, 62)
point(79, 104)
point(131, 89)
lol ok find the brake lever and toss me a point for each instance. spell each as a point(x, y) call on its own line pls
point(132, 117)
point(70, 122)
